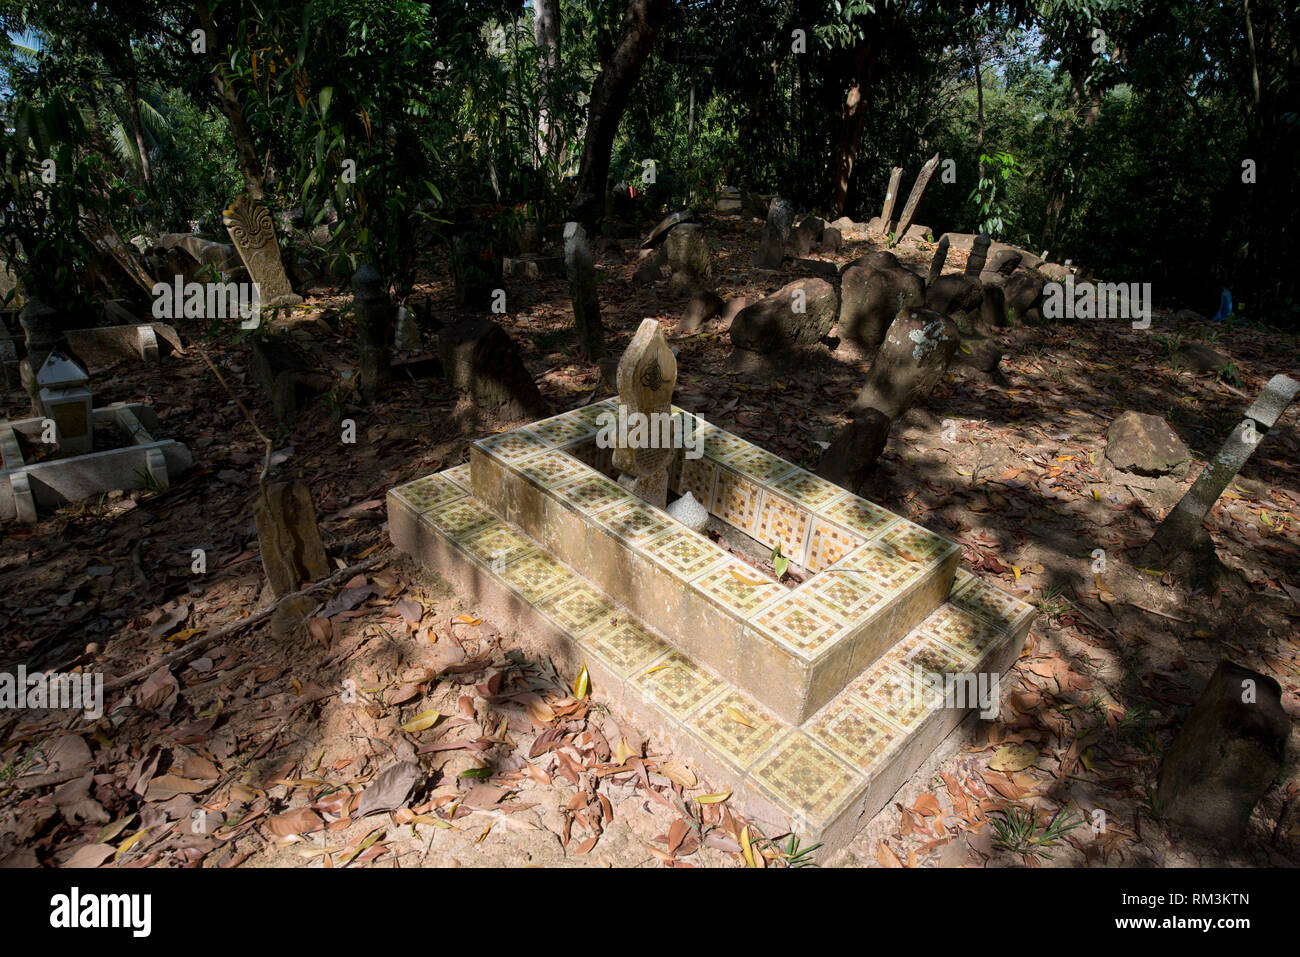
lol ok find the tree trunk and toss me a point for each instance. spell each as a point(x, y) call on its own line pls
point(853, 117)
point(546, 34)
point(228, 102)
point(137, 130)
point(609, 96)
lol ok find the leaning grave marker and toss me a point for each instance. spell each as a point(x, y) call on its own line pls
point(680, 635)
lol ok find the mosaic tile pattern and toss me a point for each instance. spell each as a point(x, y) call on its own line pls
point(736, 500)
point(995, 606)
point(730, 586)
point(749, 459)
point(594, 493)
point(635, 521)
point(677, 684)
point(459, 475)
point(562, 429)
point(781, 522)
point(625, 646)
point(827, 544)
point(591, 455)
point(697, 477)
point(883, 567)
point(808, 490)
point(577, 608)
point(718, 444)
point(849, 595)
point(801, 624)
point(461, 518)
point(916, 544)
point(511, 446)
point(856, 732)
point(964, 633)
point(923, 651)
point(894, 694)
point(591, 413)
point(683, 552)
point(536, 575)
point(551, 469)
point(737, 727)
point(808, 777)
point(428, 493)
point(498, 545)
point(859, 515)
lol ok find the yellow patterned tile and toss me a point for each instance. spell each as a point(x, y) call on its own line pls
point(697, 477)
point(801, 624)
point(971, 637)
point(783, 523)
point(624, 645)
point(894, 693)
point(459, 475)
point(577, 608)
point(498, 545)
point(758, 464)
point(859, 515)
point(857, 733)
point(916, 544)
point(683, 552)
point(808, 778)
point(995, 606)
point(719, 444)
point(511, 446)
point(808, 490)
point(847, 593)
point(737, 727)
point(592, 413)
point(736, 500)
point(827, 544)
point(676, 684)
point(594, 494)
point(426, 494)
point(536, 575)
point(883, 567)
point(461, 518)
point(591, 455)
point(562, 429)
point(922, 650)
point(739, 587)
point(634, 521)
point(551, 469)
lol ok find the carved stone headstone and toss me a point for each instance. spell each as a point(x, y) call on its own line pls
point(979, 254)
point(253, 234)
point(1181, 525)
point(936, 264)
point(581, 270)
point(895, 180)
point(647, 376)
point(914, 200)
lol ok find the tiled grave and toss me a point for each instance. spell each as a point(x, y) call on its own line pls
point(804, 701)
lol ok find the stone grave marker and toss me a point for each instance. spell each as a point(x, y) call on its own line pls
point(979, 254)
point(895, 180)
point(253, 234)
point(1180, 525)
point(914, 199)
point(647, 376)
point(937, 263)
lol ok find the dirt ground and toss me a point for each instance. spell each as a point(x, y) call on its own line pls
point(320, 747)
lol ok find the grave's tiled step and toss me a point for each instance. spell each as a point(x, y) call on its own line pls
point(820, 777)
point(875, 575)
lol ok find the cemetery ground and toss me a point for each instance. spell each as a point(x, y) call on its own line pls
point(299, 747)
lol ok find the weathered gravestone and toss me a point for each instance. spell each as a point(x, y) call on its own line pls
point(937, 263)
point(871, 293)
point(665, 227)
point(480, 358)
point(891, 194)
point(790, 320)
point(253, 234)
point(911, 361)
point(1226, 755)
point(979, 255)
point(292, 551)
point(1181, 525)
point(852, 454)
point(914, 199)
point(688, 258)
point(374, 316)
point(581, 270)
point(647, 376)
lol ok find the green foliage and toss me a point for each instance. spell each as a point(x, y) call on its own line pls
point(989, 194)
